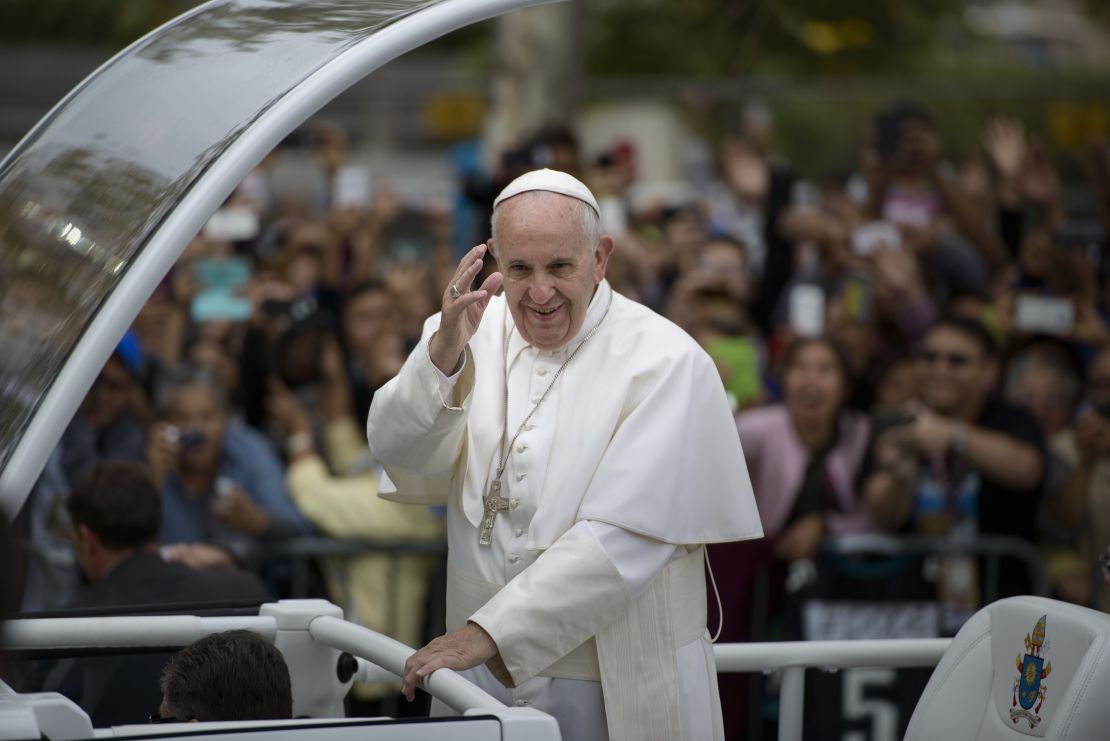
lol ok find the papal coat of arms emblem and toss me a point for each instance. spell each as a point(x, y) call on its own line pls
point(1029, 687)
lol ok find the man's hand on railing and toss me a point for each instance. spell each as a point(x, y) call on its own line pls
point(460, 649)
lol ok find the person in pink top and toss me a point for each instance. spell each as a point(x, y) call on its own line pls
point(803, 456)
point(805, 453)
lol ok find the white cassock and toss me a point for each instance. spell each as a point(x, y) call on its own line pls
point(593, 586)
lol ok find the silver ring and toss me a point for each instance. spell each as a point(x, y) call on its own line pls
point(454, 291)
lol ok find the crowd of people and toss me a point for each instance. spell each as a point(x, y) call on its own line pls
point(920, 347)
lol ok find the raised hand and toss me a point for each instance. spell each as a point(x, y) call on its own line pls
point(462, 311)
point(745, 171)
point(1004, 140)
point(1039, 182)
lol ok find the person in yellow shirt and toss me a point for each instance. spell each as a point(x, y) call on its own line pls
point(337, 491)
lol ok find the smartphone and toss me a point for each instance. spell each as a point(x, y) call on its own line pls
point(218, 304)
point(229, 274)
point(1044, 315)
point(887, 419)
point(869, 238)
point(805, 195)
point(807, 310)
point(739, 360)
point(856, 296)
point(351, 187)
point(232, 224)
point(614, 220)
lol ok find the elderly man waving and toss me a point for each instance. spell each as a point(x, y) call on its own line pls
point(584, 448)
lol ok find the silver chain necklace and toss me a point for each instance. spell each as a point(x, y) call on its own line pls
point(493, 501)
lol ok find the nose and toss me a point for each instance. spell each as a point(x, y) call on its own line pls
point(540, 292)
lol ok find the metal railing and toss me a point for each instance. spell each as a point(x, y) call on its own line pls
point(301, 551)
point(991, 548)
point(124, 631)
point(792, 658)
point(840, 556)
point(143, 631)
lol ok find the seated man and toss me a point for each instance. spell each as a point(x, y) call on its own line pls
point(237, 675)
point(116, 514)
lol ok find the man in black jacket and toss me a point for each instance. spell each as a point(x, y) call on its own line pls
point(116, 513)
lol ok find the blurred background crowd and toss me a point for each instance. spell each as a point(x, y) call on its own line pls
point(910, 317)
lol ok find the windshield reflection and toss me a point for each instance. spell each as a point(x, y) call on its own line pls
point(80, 198)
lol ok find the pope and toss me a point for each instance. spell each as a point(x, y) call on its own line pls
point(585, 451)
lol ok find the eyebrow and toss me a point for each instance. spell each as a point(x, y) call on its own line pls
point(517, 262)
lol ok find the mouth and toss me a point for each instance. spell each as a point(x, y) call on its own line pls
point(810, 400)
point(544, 312)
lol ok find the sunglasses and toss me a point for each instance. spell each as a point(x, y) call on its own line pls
point(956, 360)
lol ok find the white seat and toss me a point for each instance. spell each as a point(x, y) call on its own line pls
point(1021, 667)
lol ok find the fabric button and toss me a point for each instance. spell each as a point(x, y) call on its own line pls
point(520, 532)
point(514, 503)
point(514, 558)
point(521, 703)
point(541, 372)
point(522, 447)
point(520, 476)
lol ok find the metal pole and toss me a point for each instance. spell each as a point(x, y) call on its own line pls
point(125, 631)
point(792, 698)
point(901, 652)
point(391, 655)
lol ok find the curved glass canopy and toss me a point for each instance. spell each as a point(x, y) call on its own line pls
point(99, 200)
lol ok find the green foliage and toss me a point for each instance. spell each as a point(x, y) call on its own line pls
point(722, 37)
point(102, 22)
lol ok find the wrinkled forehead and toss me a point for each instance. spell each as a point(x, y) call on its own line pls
point(536, 218)
point(535, 204)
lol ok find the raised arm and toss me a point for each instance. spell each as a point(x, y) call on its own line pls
point(417, 421)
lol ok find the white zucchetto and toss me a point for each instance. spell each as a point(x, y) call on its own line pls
point(552, 181)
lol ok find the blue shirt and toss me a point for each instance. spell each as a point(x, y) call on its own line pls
point(249, 461)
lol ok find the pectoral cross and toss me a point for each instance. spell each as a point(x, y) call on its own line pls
point(494, 503)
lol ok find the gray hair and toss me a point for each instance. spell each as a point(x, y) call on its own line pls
point(183, 376)
point(1040, 358)
point(589, 219)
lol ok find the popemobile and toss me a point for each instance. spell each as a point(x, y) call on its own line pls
point(97, 204)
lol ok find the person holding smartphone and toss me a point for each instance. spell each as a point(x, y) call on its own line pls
point(964, 463)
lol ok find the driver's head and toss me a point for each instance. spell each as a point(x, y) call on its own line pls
point(235, 675)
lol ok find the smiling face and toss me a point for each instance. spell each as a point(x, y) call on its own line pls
point(956, 375)
point(814, 385)
point(550, 267)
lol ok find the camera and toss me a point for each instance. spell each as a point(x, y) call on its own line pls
point(184, 439)
point(884, 420)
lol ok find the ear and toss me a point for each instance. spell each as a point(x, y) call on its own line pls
point(601, 257)
point(88, 539)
